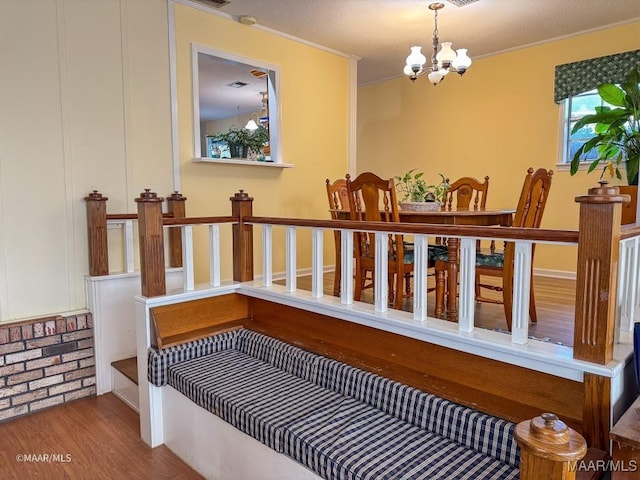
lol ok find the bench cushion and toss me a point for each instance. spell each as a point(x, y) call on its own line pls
point(352, 440)
point(159, 360)
point(252, 395)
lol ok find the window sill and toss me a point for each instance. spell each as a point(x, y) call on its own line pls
point(584, 166)
point(240, 161)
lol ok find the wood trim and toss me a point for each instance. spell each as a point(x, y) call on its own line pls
point(478, 382)
point(152, 266)
point(199, 220)
point(597, 407)
point(242, 207)
point(177, 209)
point(97, 232)
point(187, 321)
point(626, 443)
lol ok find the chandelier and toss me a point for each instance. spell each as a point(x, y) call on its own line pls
point(442, 62)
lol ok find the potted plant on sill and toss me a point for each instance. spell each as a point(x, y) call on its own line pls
point(417, 195)
point(617, 130)
point(242, 141)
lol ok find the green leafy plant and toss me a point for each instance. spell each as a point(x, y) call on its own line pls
point(617, 130)
point(415, 189)
point(249, 140)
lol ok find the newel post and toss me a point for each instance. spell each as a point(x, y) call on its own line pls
point(97, 227)
point(597, 273)
point(241, 207)
point(151, 244)
point(177, 208)
point(548, 448)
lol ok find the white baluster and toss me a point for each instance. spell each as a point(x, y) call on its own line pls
point(624, 309)
point(420, 263)
point(467, 278)
point(317, 266)
point(521, 293)
point(214, 254)
point(635, 267)
point(187, 255)
point(128, 245)
point(291, 259)
point(346, 267)
point(381, 286)
point(267, 255)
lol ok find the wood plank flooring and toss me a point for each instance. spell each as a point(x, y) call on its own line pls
point(96, 438)
point(555, 305)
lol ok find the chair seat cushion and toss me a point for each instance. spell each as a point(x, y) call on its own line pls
point(483, 257)
point(352, 440)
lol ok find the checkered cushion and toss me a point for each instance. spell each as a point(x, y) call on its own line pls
point(483, 257)
point(483, 433)
point(252, 395)
point(159, 360)
point(353, 440)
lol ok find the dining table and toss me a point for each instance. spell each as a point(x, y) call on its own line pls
point(484, 217)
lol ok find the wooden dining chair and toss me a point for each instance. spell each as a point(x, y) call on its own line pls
point(468, 192)
point(373, 199)
point(338, 200)
point(531, 205)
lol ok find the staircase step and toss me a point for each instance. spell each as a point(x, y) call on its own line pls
point(127, 367)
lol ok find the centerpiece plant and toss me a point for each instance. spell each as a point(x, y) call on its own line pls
point(414, 189)
point(616, 130)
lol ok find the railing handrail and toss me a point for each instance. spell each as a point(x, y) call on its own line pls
point(629, 231)
point(475, 231)
point(131, 216)
point(168, 222)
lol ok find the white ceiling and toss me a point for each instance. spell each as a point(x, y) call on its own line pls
point(380, 32)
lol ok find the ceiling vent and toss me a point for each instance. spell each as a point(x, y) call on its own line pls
point(214, 3)
point(461, 3)
point(237, 84)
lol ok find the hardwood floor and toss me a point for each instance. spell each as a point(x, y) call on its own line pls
point(94, 438)
point(555, 305)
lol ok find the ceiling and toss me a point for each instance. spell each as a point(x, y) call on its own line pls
point(380, 32)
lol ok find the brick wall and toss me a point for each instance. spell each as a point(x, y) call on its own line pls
point(45, 362)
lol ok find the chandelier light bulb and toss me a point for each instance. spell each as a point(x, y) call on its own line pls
point(251, 125)
point(462, 61)
point(435, 77)
point(446, 55)
point(416, 59)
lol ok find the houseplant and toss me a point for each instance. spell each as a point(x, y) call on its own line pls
point(241, 141)
point(617, 130)
point(417, 195)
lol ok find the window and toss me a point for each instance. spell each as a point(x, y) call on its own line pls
point(576, 107)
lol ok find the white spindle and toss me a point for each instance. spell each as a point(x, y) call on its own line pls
point(635, 267)
point(420, 263)
point(346, 267)
point(214, 254)
point(467, 276)
point(128, 245)
point(187, 256)
point(521, 293)
point(627, 285)
point(291, 259)
point(381, 286)
point(267, 255)
point(317, 270)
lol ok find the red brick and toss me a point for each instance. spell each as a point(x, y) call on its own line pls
point(22, 356)
point(38, 329)
point(61, 326)
point(48, 402)
point(67, 357)
point(11, 347)
point(15, 334)
point(85, 392)
point(50, 327)
point(87, 362)
point(29, 397)
point(8, 391)
point(77, 335)
point(4, 335)
point(13, 412)
point(9, 369)
point(27, 332)
point(43, 362)
point(24, 377)
point(45, 382)
point(86, 343)
point(89, 320)
point(5, 403)
point(84, 372)
point(44, 342)
point(63, 367)
point(65, 387)
point(89, 381)
point(81, 322)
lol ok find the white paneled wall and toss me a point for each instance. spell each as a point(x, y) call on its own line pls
point(85, 104)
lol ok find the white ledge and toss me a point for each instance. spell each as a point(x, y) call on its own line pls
point(239, 161)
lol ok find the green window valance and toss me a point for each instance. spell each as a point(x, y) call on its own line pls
point(577, 77)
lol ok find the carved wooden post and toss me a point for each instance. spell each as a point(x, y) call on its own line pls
point(241, 207)
point(597, 273)
point(548, 448)
point(97, 227)
point(151, 244)
point(176, 207)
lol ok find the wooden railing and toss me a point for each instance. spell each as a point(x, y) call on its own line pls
point(97, 224)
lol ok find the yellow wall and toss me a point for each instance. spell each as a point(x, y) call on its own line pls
point(314, 95)
point(497, 120)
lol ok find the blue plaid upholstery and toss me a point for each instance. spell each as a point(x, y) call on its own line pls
point(158, 361)
point(265, 399)
point(339, 421)
point(483, 257)
point(353, 440)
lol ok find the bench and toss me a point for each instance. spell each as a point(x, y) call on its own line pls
point(335, 419)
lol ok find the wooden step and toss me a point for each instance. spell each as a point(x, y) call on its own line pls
point(127, 367)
